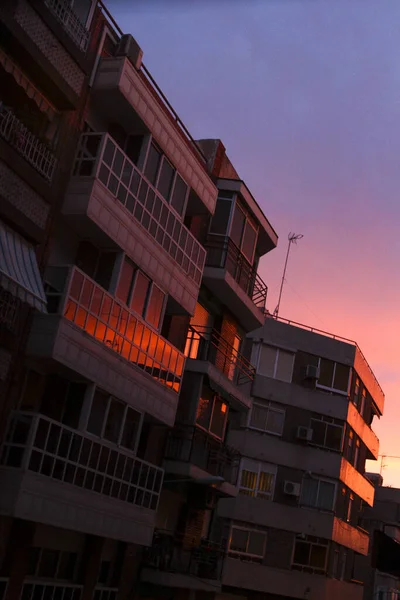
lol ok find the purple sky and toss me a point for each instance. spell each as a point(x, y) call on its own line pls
point(305, 95)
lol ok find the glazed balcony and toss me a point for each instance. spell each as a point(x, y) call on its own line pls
point(70, 21)
point(194, 454)
point(97, 336)
point(35, 152)
point(235, 281)
point(168, 562)
point(82, 483)
point(108, 190)
point(208, 352)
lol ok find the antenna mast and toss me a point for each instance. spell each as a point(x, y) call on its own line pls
point(292, 237)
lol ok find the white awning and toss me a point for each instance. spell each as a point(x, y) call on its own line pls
point(19, 272)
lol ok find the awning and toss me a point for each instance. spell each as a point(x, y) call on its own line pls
point(31, 91)
point(19, 272)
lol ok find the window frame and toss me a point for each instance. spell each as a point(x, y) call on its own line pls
point(216, 397)
point(331, 388)
point(268, 406)
point(257, 493)
point(308, 567)
point(276, 361)
point(56, 576)
point(248, 530)
point(327, 423)
point(319, 480)
point(176, 173)
point(101, 436)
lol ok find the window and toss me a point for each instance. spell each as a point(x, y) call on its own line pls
point(333, 376)
point(161, 173)
point(212, 413)
point(114, 421)
point(327, 432)
point(318, 493)
point(165, 179)
point(138, 292)
point(244, 232)
point(52, 564)
point(349, 508)
point(363, 402)
point(356, 395)
point(152, 164)
point(350, 447)
point(248, 542)
point(257, 479)
point(276, 363)
point(266, 417)
point(356, 457)
point(179, 194)
point(310, 554)
point(220, 220)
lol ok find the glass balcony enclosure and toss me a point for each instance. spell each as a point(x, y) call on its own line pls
point(78, 298)
point(100, 157)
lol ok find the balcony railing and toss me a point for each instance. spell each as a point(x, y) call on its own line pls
point(205, 343)
point(81, 300)
point(222, 253)
point(77, 31)
point(194, 446)
point(9, 309)
point(102, 592)
point(3, 587)
point(100, 157)
point(48, 590)
point(204, 560)
point(44, 446)
point(26, 143)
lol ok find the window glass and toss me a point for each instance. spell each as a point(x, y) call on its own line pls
point(237, 226)
point(131, 429)
point(334, 434)
point(204, 410)
point(73, 404)
point(249, 241)
point(98, 412)
point(155, 306)
point(267, 361)
point(341, 379)
point(275, 421)
point(165, 180)
point(220, 220)
point(239, 538)
point(326, 495)
point(311, 552)
point(125, 281)
point(48, 563)
point(139, 293)
point(267, 418)
point(257, 479)
point(152, 164)
point(256, 543)
point(179, 195)
point(219, 417)
point(284, 366)
point(301, 553)
point(114, 421)
point(67, 566)
point(326, 372)
point(318, 557)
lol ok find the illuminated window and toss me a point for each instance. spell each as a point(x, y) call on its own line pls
point(257, 479)
point(212, 413)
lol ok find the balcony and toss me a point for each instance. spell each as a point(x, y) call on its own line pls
point(287, 583)
point(193, 453)
point(102, 592)
point(208, 352)
point(35, 152)
point(70, 21)
point(91, 332)
point(108, 191)
point(235, 281)
point(173, 564)
point(57, 475)
point(129, 95)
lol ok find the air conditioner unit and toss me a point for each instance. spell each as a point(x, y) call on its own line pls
point(312, 372)
point(304, 433)
point(129, 47)
point(291, 489)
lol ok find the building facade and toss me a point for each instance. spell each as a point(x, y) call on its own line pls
point(160, 437)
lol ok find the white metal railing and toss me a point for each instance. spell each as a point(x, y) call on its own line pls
point(3, 587)
point(26, 143)
point(105, 593)
point(99, 156)
point(46, 590)
point(37, 443)
point(77, 31)
point(84, 302)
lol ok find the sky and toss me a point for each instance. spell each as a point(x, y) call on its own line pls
point(305, 95)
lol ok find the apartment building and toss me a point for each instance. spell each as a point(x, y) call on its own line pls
point(381, 568)
point(201, 468)
point(111, 261)
point(293, 529)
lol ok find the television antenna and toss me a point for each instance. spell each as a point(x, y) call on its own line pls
point(292, 238)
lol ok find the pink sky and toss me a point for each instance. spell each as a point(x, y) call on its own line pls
point(305, 95)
